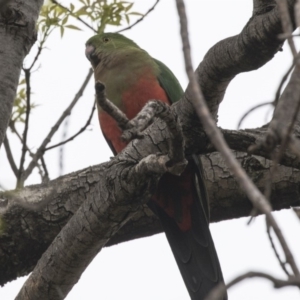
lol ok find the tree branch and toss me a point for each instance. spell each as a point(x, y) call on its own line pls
point(140, 19)
point(64, 195)
point(48, 138)
point(217, 293)
point(10, 157)
point(17, 36)
point(81, 130)
point(255, 196)
point(20, 183)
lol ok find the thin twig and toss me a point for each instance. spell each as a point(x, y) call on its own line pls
point(40, 48)
point(250, 111)
point(254, 195)
point(276, 156)
point(61, 149)
point(25, 132)
point(76, 17)
point(218, 292)
point(10, 156)
point(283, 80)
point(287, 24)
point(39, 153)
point(45, 177)
point(141, 19)
point(14, 130)
point(297, 13)
point(281, 263)
point(88, 122)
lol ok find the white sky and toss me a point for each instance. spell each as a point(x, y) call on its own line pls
point(145, 268)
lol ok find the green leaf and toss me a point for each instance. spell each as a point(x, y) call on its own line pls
point(127, 19)
point(62, 30)
point(23, 81)
point(135, 14)
point(81, 11)
point(129, 7)
point(65, 20)
point(73, 27)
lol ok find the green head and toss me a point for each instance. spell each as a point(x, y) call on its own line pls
point(101, 46)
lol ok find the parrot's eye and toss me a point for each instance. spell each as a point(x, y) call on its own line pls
point(106, 40)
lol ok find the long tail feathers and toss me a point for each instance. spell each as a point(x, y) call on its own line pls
point(194, 249)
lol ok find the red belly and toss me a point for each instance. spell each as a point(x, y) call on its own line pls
point(174, 194)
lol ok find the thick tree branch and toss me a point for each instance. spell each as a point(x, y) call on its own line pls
point(256, 45)
point(95, 222)
point(37, 229)
point(155, 141)
point(17, 35)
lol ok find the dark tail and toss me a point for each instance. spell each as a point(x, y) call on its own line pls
point(193, 248)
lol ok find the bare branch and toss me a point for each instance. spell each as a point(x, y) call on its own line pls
point(250, 111)
point(282, 82)
point(41, 150)
point(255, 196)
point(287, 24)
point(141, 19)
point(219, 291)
point(285, 114)
point(88, 122)
point(45, 176)
point(10, 157)
point(297, 13)
point(281, 263)
point(14, 130)
point(20, 183)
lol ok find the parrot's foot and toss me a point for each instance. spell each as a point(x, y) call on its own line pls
point(156, 109)
point(143, 120)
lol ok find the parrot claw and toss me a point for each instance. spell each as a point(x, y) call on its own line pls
point(130, 134)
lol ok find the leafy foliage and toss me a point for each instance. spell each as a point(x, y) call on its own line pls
point(53, 16)
point(102, 13)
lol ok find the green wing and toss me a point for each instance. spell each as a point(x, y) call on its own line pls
point(169, 82)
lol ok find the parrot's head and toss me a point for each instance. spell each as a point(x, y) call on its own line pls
point(103, 46)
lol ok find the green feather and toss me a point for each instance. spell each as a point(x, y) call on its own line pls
point(169, 82)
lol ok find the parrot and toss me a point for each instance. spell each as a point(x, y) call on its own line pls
point(131, 78)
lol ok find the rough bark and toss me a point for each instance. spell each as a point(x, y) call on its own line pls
point(256, 45)
point(103, 198)
point(17, 35)
point(20, 249)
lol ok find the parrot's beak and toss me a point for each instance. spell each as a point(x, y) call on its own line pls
point(91, 56)
point(89, 50)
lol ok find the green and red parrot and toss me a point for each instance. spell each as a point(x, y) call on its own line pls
point(132, 78)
